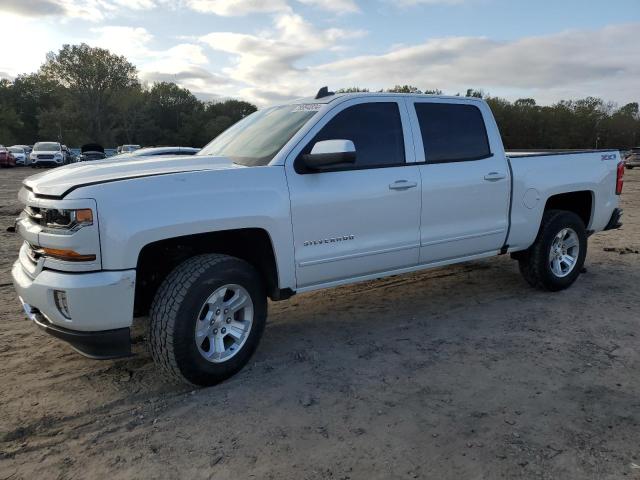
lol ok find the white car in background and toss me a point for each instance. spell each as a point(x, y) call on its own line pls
point(159, 151)
point(20, 154)
point(47, 154)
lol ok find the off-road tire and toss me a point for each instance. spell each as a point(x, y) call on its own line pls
point(534, 263)
point(175, 309)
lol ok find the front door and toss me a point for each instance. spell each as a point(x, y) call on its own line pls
point(364, 218)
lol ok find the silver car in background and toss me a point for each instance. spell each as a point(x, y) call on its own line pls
point(159, 151)
point(20, 153)
point(633, 158)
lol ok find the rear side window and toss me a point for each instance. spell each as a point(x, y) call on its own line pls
point(452, 132)
point(374, 128)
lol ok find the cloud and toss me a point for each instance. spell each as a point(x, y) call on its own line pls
point(270, 58)
point(128, 41)
point(237, 8)
point(413, 3)
point(89, 10)
point(603, 62)
point(33, 8)
point(336, 6)
point(233, 8)
point(189, 75)
point(184, 64)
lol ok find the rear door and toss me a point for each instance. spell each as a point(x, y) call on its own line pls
point(465, 180)
point(362, 219)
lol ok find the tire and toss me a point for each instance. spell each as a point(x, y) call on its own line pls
point(180, 307)
point(536, 265)
point(629, 167)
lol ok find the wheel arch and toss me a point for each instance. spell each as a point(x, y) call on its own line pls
point(158, 258)
point(580, 202)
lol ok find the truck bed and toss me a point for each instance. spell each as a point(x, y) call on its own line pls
point(548, 152)
point(554, 173)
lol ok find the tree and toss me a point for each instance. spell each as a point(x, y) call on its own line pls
point(404, 89)
point(93, 78)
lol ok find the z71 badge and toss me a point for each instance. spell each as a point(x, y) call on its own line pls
point(344, 238)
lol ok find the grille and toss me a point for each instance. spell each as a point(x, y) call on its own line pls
point(45, 156)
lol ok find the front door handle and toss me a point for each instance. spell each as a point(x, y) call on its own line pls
point(402, 185)
point(494, 176)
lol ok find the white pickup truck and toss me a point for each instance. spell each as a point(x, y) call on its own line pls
point(316, 193)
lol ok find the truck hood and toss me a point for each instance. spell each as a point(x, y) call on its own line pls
point(60, 181)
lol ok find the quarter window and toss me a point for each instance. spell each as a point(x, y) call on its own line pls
point(452, 132)
point(374, 128)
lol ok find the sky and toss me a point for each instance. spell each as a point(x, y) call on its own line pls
point(268, 51)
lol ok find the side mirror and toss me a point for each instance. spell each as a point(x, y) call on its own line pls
point(330, 152)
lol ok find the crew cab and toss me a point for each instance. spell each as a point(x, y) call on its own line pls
point(312, 194)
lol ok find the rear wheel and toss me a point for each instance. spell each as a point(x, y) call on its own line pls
point(556, 258)
point(207, 319)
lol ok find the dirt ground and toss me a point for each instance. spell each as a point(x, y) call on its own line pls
point(456, 373)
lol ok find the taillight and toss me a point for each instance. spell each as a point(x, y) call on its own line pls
point(619, 178)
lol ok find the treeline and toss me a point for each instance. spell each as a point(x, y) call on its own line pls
point(83, 94)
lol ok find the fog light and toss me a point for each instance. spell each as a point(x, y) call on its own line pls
point(60, 297)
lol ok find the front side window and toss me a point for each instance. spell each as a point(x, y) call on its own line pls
point(256, 139)
point(452, 132)
point(374, 128)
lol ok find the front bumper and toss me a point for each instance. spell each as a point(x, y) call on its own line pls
point(100, 304)
point(40, 162)
point(103, 345)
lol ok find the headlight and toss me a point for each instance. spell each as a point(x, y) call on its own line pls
point(68, 220)
point(57, 156)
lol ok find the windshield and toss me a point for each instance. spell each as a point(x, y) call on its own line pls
point(256, 139)
point(46, 147)
point(16, 150)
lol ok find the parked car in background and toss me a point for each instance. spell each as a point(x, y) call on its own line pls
point(47, 154)
point(158, 151)
point(110, 152)
point(68, 156)
point(20, 154)
point(91, 151)
point(633, 159)
point(6, 157)
point(127, 148)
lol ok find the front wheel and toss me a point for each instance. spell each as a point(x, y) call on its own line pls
point(207, 319)
point(555, 259)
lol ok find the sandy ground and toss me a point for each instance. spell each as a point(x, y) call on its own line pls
point(456, 373)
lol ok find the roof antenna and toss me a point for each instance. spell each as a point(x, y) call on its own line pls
point(324, 92)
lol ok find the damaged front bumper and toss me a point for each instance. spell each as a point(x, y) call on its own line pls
point(91, 311)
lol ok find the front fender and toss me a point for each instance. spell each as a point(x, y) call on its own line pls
point(136, 212)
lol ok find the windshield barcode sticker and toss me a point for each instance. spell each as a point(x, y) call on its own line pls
point(308, 107)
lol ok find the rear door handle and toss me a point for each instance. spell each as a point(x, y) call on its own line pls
point(494, 176)
point(402, 185)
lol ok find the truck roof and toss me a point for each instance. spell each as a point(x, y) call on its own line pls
point(344, 96)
